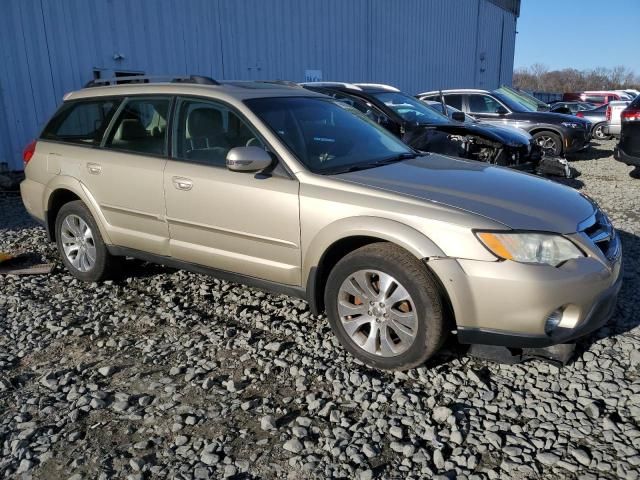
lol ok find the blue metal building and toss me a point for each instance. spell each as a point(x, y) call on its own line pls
point(50, 47)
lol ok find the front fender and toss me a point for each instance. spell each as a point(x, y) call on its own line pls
point(367, 226)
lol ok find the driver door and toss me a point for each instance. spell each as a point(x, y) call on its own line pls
point(239, 222)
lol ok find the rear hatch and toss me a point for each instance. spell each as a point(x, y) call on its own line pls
point(630, 129)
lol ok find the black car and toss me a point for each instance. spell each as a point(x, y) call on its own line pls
point(425, 129)
point(556, 133)
point(628, 148)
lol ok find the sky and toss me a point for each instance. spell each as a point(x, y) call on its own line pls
point(581, 34)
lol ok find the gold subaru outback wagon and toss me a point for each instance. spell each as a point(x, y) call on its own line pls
point(288, 190)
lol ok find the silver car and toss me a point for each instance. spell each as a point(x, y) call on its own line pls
point(291, 191)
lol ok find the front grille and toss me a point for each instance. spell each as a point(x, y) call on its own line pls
point(601, 232)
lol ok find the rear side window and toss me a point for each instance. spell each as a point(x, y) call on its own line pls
point(81, 122)
point(454, 100)
point(141, 126)
point(363, 106)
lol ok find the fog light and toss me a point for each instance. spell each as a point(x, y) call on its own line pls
point(552, 321)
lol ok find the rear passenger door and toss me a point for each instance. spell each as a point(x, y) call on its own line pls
point(241, 222)
point(124, 175)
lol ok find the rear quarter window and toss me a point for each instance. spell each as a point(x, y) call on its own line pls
point(80, 122)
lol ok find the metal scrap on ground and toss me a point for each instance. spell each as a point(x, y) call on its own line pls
point(23, 264)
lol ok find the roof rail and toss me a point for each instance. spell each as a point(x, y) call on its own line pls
point(382, 86)
point(197, 79)
point(285, 83)
point(331, 84)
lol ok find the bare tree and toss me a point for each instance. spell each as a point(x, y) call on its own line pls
point(538, 78)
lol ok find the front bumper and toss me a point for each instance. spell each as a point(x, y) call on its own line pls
point(507, 303)
point(576, 139)
point(620, 155)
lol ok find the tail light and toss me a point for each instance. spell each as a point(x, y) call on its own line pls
point(580, 114)
point(630, 115)
point(28, 152)
point(608, 113)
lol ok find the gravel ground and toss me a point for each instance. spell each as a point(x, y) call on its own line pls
point(170, 374)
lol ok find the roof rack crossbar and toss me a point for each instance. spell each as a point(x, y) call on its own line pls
point(197, 79)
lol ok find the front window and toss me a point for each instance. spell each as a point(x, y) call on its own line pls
point(327, 136)
point(483, 104)
point(205, 132)
point(410, 109)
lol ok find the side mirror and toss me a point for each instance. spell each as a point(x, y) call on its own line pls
point(458, 116)
point(501, 110)
point(248, 159)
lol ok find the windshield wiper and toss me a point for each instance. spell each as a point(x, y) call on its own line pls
point(366, 165)
point(394, 159)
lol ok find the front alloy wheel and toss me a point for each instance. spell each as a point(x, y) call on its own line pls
point(384, 307)
point(549, 142)
point(598, 132)
point(377, 313)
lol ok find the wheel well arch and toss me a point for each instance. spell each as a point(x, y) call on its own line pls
point(57, 199)
point(546, 129)
point(319, 274)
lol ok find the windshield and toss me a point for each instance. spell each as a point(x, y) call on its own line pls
point(410, 109)
point(328, 136)
point(513, 104)
point(523, 98)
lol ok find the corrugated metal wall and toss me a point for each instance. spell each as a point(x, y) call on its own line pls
point(50, 47)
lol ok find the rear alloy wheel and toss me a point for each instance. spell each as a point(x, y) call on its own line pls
point(598, 132)
point(384, 307)
point(549, 142)
point(80, 244)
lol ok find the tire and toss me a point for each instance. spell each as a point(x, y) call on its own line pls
point(550, 142)
point(91, 261)
point(372, 333)
point(598, 132)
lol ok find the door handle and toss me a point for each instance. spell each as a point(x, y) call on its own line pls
point(94, 168)
point(182, 183)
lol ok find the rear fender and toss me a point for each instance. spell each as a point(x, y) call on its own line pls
point(64, 182)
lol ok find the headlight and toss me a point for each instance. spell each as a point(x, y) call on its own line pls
point(572, 125)
point(540, 248)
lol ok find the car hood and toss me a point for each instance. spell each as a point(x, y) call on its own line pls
point(514, 199)
point(506, 136)
point(505, 131)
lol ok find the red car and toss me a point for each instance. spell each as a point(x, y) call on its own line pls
point(597, 97)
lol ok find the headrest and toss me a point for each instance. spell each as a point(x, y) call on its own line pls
point(132, 129)
point(204, 122)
